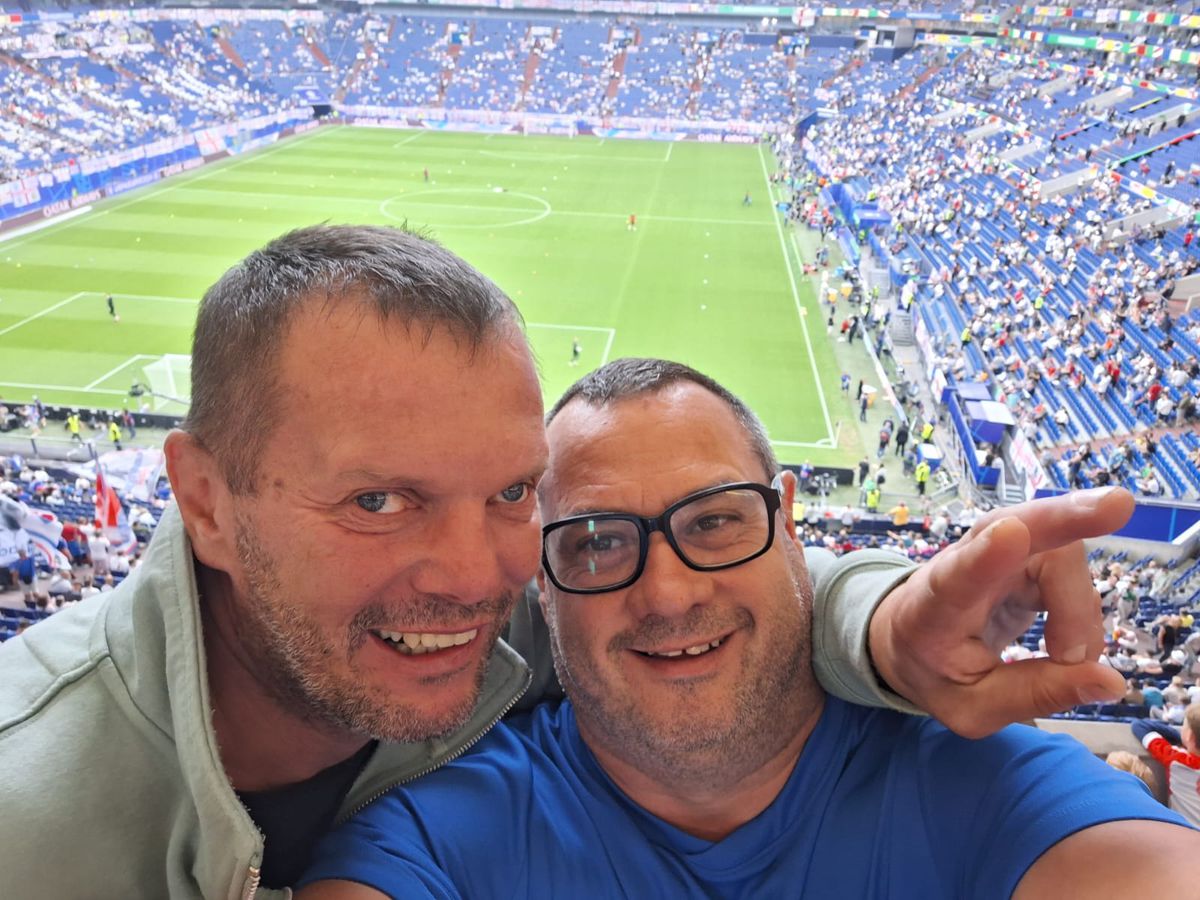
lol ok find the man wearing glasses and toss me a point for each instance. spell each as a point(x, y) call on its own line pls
point(696, 755)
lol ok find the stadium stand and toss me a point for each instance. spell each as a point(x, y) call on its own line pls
point(1032, 294)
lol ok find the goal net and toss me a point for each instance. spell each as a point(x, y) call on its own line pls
point(169, 379)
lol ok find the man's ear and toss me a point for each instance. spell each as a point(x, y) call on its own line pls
point(203, 498)
point(785, 483)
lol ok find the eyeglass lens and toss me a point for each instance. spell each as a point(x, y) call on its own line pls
point(711, 531)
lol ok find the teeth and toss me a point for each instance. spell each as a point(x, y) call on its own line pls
point(417, 643)
point(690, 651)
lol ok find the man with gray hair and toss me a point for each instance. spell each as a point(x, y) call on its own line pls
point(317, 617)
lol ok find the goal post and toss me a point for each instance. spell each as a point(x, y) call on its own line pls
point(169, 379)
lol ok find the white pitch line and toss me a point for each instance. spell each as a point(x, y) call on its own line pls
point(407, 140)
point(113, 371)
point(612, 333)
point(60, 387)
point(44, 224)
point(155, 298)
point(56, 223)
point(46, 311)
point(787, 262)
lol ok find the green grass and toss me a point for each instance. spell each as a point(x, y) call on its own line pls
point(703, 280)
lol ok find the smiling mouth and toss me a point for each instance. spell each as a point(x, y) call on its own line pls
point(418, 643)
point(687, 652)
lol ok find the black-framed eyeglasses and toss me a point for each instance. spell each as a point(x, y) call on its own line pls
point(716, 528)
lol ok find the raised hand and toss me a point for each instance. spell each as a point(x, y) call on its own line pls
point(936, 639)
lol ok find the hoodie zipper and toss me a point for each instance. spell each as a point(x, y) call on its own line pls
point(449, 759)
point(250, 885)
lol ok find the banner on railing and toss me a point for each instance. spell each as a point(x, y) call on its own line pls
point(80, 182)
point(540, 123)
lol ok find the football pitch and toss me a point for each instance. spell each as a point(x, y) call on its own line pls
point(705, 278)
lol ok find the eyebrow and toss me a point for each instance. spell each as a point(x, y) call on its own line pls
point(376, 477)
point(397, 479)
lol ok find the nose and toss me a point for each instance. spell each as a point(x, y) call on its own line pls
point(470, 557)
point(668, 587)
point(460, 559)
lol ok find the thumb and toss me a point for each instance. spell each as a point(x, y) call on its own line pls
point(1034, 688)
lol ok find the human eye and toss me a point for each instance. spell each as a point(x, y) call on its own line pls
point(516, 493)
point(593, 549)
point(713, 521)
point(722, 516)
point(599, 543)
point(380, 502)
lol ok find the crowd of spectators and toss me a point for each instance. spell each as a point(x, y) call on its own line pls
point(647, 69)
point(89, 563)
point(1038, 295)
point(73, 93)
point(90, 89)
point(94, 87)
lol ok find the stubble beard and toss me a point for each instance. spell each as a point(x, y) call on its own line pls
point(772, 699)
point(297, 662)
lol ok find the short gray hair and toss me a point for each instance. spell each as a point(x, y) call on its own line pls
point(631, 376)
point(244, 318)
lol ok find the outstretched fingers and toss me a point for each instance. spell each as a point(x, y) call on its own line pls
point(1054, 522)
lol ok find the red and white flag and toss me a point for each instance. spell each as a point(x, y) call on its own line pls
point(110, 516)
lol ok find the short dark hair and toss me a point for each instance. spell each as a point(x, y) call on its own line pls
point(244, 318)
point(631, 376)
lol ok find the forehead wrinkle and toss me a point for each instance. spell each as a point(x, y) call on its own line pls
point(581, 483)
point(590, 443)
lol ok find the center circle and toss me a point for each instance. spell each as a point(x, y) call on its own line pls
point(457, 210)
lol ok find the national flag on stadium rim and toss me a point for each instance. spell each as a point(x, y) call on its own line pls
point(110, 515)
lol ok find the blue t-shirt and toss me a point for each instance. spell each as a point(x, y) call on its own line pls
point(879, 805)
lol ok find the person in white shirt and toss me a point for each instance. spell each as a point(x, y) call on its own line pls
point(118, 564)
point(1175, 692)
point(99, 549)
point(61, 587)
